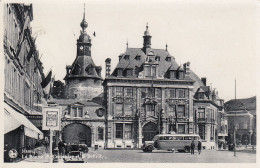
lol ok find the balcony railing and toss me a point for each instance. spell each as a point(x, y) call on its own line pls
point(150, 100)
point(122, 99)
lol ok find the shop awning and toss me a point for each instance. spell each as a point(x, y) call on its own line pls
point(14, 119)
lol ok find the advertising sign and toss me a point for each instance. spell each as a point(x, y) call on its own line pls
point(51, 118)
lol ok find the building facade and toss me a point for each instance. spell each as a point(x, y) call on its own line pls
point(83, 120)
point(241, 115)
point(149, 93)
point(23, 74)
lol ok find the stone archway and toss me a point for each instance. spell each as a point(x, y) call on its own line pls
point(77, 133)
point(149, 131)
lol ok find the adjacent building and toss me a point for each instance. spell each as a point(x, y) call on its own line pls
point(23, 74)
point(149, 93)
point(241, 115)
point(81, 98)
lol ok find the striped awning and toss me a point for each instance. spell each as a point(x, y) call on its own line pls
point(14, 119)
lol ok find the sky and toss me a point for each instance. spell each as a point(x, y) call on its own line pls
point(217, 37)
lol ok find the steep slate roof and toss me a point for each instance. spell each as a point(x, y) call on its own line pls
point(133, 63)
point(83, 62)
point(248, 104)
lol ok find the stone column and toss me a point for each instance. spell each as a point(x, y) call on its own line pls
point(249, 138)
point(139, 134)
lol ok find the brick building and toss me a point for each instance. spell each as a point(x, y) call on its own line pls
point(149, 93)
point(241, 114)
point(83, 118)
point(23, 74)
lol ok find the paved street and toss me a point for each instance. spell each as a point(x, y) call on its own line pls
point(138, 156)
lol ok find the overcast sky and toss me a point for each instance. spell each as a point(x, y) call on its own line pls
point(217, 37)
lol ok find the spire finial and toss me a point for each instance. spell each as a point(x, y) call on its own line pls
point(84, 12)
point(166, 47)
point(147, 26)
point(127, 43)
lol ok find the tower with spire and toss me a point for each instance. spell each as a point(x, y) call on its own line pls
point(147, 40)
point(83, 78)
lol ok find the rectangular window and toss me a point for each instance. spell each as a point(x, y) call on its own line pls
point(143, 92)
point(201, 113)
point(100, 133)
point(172, 74)
point(128, 131)
point(119, 72)
point(202, 131)
point(150, 110)
point(181, 93)
point(80, 112)
point(128, 108)
point(153, 71)
point(158, 93)
point(129, 72)
point(128, 92)
point(172, 93)
point(147, 70)
point(150, 92)
point(119, 131)
point(73, 112)
point(119, 91)
point(181, 111)
point(171, 111)
point(181, 129)
point(118, 109)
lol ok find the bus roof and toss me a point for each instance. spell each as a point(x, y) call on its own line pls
point(184, 135)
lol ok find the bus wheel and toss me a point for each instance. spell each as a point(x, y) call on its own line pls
point(144, 150)
point(186, 149)
point(149, 148)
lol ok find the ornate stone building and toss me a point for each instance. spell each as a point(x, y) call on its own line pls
point(83, 118)
point(23, 74)
point(241, 115)
point(149, 93)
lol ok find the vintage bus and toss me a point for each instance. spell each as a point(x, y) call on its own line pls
point(171, 142)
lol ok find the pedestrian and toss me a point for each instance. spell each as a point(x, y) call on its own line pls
point(199, 147)
point(61, 147)
point(192, 147)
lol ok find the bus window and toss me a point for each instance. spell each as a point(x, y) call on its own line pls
point(155, 138)
point(161, 138)
point(188, 138)
point(170, 138)
point(166, 138)
point(179, 138)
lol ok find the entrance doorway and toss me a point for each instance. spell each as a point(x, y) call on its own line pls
point(149, 131)
point(77, 133)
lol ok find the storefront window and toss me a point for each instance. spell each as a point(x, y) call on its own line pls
point(202, 131)
point(119, 131)
point(128, 131)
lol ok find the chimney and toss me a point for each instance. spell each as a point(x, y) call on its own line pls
point(187, 68)
point(204, 80)
point(108, 65)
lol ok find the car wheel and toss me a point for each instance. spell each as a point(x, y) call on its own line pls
point(186, 149)
point(144, 150)
point(149, 148)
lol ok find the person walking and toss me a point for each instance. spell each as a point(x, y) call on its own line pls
point(199, 147)
point(192, 147)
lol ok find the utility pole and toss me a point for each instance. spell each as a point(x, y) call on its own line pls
point(235, 120)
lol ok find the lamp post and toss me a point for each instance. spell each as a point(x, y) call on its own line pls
point(235, 122)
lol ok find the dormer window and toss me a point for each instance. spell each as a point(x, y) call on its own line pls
point(157, 58)
point(76, 111)
point(129, 72)
point(172, 74)
point(181, 75)
point(120, 57)
point(150, 71)
point(138, 57)
point(126, 57)
point(119, 72)
point(168, 59)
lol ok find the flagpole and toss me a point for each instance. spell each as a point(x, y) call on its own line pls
point(235, 118)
